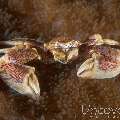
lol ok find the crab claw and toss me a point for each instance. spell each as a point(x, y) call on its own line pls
point(22, 79)
point(98, 68)
point(97, 39)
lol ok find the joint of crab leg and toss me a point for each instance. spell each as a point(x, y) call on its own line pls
point(95, 39)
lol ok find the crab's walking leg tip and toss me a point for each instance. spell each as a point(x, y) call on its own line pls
point(111, 42)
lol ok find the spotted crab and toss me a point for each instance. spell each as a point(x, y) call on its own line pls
point(103, 61)
point(13, 70)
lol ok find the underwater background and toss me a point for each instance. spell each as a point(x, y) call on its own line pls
point(63, 94)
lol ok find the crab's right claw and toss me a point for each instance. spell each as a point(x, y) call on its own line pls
point(85, 70)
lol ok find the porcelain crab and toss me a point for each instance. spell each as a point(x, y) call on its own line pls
point(15, 74)
point(64, 49)
point(103, 61)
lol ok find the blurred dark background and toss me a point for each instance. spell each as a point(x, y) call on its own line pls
point(62, 93)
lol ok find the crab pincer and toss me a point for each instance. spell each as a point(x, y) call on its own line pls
point(14, 73)
point(104, 61)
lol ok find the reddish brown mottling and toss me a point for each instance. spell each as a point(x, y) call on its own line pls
point(51, 18)
point(108, 60)
point(109, 52)
point(18, 72)
point(107, 64)
point(22, 56)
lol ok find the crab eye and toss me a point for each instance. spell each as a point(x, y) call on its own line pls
point(92, 40)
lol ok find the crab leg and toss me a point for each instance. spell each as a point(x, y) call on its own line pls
point(12, 43)
point(26, 42)
point(111, 42)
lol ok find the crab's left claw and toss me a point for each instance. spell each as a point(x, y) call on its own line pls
point(28, 86)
